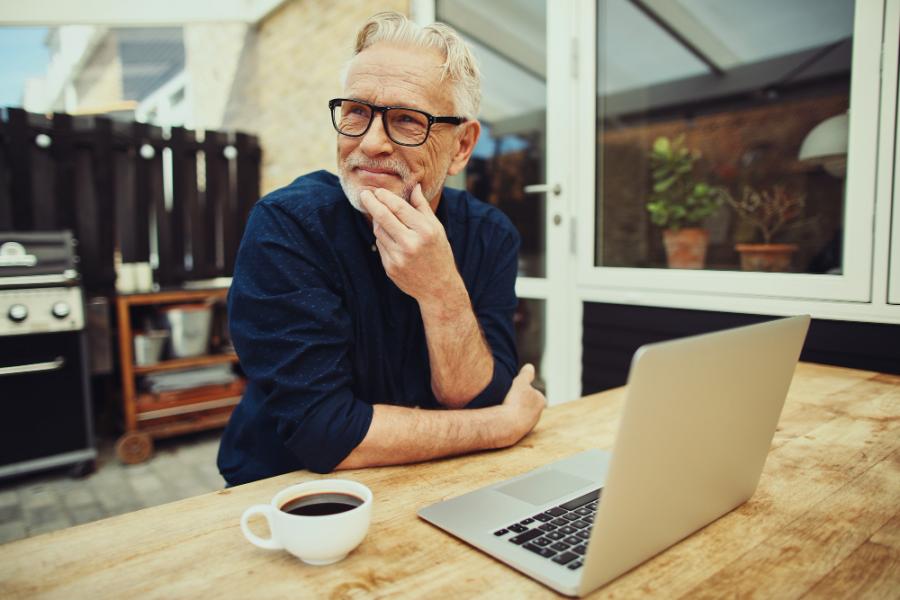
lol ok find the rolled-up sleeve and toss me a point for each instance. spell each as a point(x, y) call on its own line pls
point(292, 334)
point(494, 304)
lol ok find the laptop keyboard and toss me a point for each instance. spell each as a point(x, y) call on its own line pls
point(560, 533)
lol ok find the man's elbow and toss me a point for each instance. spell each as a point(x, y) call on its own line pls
point(457, 398)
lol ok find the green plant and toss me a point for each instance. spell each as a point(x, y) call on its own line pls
point(678, 199)
point(768, 211)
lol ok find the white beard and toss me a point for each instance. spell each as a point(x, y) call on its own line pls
point(352, 191)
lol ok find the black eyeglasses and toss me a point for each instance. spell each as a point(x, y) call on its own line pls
point(404, 126)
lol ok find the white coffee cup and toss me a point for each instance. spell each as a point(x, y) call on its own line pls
point(320, 539)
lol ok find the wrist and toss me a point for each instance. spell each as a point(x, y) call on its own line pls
point(501, 426)
point(446, 301)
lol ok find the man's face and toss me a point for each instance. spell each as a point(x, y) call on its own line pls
point(391, 75)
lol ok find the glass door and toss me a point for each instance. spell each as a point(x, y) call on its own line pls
point(515, 167)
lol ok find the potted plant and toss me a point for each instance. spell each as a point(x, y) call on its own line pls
point(679, 203)
point(767, 211)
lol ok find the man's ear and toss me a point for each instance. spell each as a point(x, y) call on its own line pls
point(465, 143)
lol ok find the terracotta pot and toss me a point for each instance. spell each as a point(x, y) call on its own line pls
point(766, 257)
point(686, 247)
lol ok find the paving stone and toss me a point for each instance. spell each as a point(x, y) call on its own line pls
point(38, 495)
point(37, 516)
point(49, 526)
point(114, 493)
point(145, 484)
point(186, 484)
point(44, 502)
point(210, 476)
point(11, 513)
point(78, 496)
point(86, 514)
point(9, 498)
point(12, 531)
point(136, 470)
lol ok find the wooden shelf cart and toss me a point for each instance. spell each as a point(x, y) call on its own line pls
point(148, 416)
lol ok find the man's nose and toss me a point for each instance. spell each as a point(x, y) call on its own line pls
point(375, 141)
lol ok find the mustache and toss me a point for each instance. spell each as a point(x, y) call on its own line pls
point(390, 164)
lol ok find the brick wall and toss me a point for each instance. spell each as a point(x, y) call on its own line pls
point(769, 136)
point(213, 54)
point(286, 70)
point(99, 83)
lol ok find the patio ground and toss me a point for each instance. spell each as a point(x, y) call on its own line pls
point(43, 502)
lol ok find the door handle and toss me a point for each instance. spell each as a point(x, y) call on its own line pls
point(542, 188)
point(52, 365)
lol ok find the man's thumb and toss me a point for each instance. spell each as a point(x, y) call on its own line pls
point(526, 374)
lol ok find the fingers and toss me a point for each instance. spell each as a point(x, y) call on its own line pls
point(382, 216)
point(402, 210)
point(419, 201)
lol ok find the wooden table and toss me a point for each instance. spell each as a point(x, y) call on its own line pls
point(825, 521)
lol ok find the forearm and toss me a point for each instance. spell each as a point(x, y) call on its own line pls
point(399, 435)
point(460, 359)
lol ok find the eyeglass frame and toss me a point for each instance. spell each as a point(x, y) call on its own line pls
point(375, 108)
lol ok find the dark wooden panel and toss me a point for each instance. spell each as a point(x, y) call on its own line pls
point(248, 161)
point(92, 180)
point(132, 224)
point(217, 190)
point(6, 197)
point(87, 214)
point(183, 196)
point(63, 151)
point(143, 194)
point(230, 210)
point(20, 142)
point(96, 236)
point(613, 332)
point(167, 272)
point(43, 173)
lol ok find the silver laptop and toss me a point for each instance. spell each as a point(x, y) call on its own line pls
point(697, 423)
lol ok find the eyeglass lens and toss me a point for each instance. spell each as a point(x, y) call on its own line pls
point(403, 126)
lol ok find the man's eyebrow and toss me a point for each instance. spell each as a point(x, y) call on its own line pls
point(360, 100)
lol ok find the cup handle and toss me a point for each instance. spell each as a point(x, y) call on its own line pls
point(266, 511)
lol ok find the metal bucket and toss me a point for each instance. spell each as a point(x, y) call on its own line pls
point(148, 347)
point(189, 326)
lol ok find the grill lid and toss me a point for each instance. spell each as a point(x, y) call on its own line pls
point(37, 253)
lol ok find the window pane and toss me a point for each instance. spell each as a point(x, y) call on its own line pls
point(724, 116)
point(509, 41)
point(529, 321)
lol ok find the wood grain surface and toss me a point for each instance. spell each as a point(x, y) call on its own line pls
point(824, 523)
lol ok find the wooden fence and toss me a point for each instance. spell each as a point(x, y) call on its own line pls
point(127, 186)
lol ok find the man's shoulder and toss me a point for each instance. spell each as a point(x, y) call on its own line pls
point(307, 195)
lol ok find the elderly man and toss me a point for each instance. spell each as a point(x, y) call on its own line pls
point(360, 300)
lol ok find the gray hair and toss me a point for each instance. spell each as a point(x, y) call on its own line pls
point(459, 66)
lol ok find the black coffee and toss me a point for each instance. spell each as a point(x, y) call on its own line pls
point(320, 504)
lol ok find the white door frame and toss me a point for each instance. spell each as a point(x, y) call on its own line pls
point(854, 285)
point(561, 357)
point(561, 362)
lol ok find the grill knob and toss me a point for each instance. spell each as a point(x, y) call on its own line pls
point(17, 313)
point(61, 310)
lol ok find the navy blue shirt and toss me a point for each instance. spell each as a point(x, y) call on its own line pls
point(323, 334)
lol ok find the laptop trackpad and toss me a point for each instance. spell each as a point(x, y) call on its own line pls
point(542, 487)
